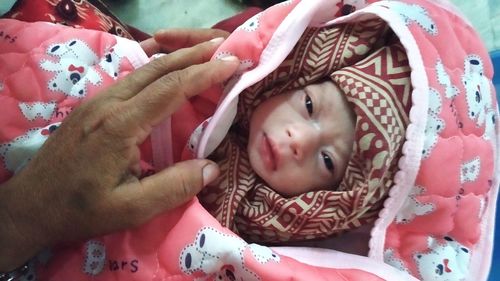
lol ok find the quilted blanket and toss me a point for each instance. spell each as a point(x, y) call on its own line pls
point(436, 224)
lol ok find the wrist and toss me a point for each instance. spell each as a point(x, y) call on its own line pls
point(18, 242)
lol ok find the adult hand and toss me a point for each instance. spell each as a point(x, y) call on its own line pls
point(83, 182)
point(168, 40)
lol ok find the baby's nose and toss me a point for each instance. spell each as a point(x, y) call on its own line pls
point(303, 140)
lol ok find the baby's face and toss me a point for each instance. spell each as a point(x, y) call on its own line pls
point(302, 140)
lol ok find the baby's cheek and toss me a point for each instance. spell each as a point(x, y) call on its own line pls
point(292, 182)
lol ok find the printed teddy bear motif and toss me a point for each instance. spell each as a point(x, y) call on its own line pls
point(443, 78)
point(412, 208)
point(490, 125)
point(412, 13)
point(252, 24)
point(110, 62)
point(244, 66)
point(17, 153)
point(74, 68)
point(223, 255)
point(390, 258)
point(469, 171)
point(95, 257)
point(75, 48)
point(478, 93)
point(434, 124)
point(262, 254)
point(448, 261)
point(34, 110)
point(225, 274)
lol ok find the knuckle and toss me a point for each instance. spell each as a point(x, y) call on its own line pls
point(203, 51)
point(174, 79)
point(174, 82)
point(112, 118)
point(160, 64)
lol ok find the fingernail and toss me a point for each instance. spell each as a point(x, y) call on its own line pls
point(210, 172)
point(217, 40)
point(229, 58)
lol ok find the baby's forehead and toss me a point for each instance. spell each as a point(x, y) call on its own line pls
point(324, 92)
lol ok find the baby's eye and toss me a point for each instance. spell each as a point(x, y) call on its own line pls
point(309, 105)
point(328, 162)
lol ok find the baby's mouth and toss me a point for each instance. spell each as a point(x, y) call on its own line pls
point(268, 153)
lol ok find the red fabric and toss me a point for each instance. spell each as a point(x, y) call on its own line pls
point(138, 34)
point(75, 13)
point(93, 14)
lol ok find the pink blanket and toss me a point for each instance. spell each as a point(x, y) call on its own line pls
point(437, 223)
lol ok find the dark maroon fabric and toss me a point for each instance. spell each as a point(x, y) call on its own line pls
point(230, 24)
point(94, 14)
point(88, 14)
point(261, 3)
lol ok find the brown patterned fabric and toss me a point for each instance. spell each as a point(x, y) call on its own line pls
point(88, 14)
point(368, 63)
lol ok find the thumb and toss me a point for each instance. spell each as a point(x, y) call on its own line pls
point(167, 189)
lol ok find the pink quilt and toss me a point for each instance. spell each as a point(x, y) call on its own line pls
point(437, 223)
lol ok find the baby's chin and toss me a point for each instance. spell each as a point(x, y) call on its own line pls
point(290, 190)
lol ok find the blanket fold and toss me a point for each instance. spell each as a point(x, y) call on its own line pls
point(370, 66)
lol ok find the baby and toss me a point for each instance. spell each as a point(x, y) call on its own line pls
point(314, 146)
point(301, 140)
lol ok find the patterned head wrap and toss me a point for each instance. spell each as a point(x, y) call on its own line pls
point(370, 66)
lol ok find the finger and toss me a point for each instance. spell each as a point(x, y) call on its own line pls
point(159, 67)
point(167, 94)
point(173, 39)
point(150, 47)
point(165, 190)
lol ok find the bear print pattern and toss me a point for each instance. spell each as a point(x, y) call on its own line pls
point(412, 207)
point(18, 152)
point(448, 261)
point(95, 257)
point(223, 255)
point(34, 110)
point(478, 94)
point(435, 124)
point(110, 62)
point(412, 13)
point(73, 69)
point(252, 24)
